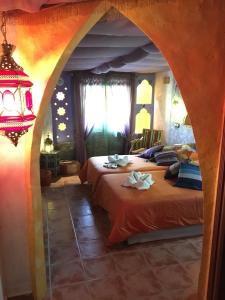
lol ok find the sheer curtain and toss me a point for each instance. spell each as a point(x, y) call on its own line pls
point(84, 114)
point(107, 109)
point(118, 108)
point(94, 106)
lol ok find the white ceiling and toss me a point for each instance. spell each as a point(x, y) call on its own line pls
point(116, 44)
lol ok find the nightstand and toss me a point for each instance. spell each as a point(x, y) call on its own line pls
point(50, 161)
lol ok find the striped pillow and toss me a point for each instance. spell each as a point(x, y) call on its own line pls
point(166, 158)
point(172, 171)
point(189, 177)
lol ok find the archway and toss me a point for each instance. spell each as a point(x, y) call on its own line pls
point(165, 37)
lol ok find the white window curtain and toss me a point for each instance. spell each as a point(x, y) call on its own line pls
point(118, 101)
point(94, 106)
point(107, 107)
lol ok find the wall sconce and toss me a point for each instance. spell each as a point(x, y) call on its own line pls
point(178, 109)
point(16, 107)
point(48, 145)
point(177, 125)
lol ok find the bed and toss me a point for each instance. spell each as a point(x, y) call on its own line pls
point(161, 207)
point(93, 168)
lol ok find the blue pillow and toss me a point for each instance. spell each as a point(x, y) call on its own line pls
point(166, 158)
point(172, 171)
point(189, 177)
point(148, 153)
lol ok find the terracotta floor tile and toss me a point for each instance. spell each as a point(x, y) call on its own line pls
point(193, 268)
point(158, 256)
point(73, 191)
point(183, 294)
point(107, 289)
point(54, 227)
point(67, 273)
point(92, 249)
point(63, 253)
point(56, 213)
point(61, 237)
point(141, 285)
point(123, 247)
point(129, 262)
point(173, 277)
point(184, 251)
point(54, 190)
point(197, 243)
point(59, 217)
point(79, 202)
point(88, 233)
point(158, 296)
point(72, 292)
point(80, 211)
point(85, 221)
point(60, 204)
point(161, 270)
point(100, 267)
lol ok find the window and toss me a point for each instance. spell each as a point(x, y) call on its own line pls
point(107, 106)
point(144, 93)
point(142, 120)
point(144, 106)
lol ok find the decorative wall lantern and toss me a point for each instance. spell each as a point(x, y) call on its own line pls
point(48, 145)
point(16, 107)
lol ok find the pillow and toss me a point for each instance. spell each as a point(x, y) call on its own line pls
point(166, 158)
point(194, 162)
point(151, 159)
point(148, 153)
point(169, 148)
point(183, 154)
point(172, 171)
point(172, 147)
point(189, 177)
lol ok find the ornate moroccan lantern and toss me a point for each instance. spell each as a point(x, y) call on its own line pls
point(48, 145)
point(16, 107)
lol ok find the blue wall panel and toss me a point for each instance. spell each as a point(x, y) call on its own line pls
point(63, 110)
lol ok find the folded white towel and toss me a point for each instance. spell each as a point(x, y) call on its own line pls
point(116, 161)
point(110, 165)
point(113, 158)
point(138, 180)
point(122, 162)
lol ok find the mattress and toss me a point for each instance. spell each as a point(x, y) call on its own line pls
point(93, 168)
point(132, 211)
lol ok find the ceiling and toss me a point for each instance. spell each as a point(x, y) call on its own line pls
point(32, 5)
point(116, 44)
point(113, 44)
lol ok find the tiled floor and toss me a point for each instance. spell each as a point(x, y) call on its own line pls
point(80, 266)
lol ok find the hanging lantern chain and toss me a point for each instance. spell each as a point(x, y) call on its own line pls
point(3, 27)
point(15, 93)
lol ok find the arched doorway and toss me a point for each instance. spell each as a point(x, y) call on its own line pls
point(175, 57)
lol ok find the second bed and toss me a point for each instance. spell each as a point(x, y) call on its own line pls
point(94, 168)
point(162, 206)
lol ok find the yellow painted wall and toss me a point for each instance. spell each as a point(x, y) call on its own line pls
point(190, 34)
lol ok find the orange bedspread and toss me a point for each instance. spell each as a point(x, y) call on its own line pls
point(93, 168)
point(162, 206)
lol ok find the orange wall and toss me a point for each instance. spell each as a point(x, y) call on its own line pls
point(191, 37)
point(13, 220)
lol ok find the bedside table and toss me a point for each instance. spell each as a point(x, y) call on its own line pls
point(50, 161)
